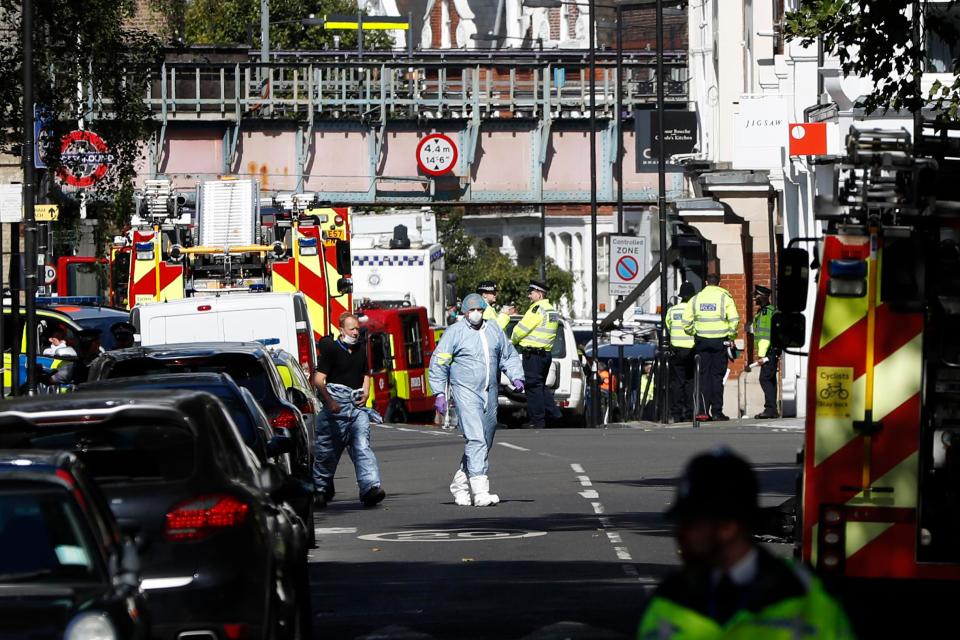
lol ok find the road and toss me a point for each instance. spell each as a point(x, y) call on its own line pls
point(573, 548)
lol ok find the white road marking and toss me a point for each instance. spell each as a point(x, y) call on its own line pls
point(584, 481)
point(614, 537)
point(590, 494)
point(604, 521)
point(623, 553)
point(576, 468)
point(327, 531)
point(512, 446)
point(598, 508)
point(405, 429)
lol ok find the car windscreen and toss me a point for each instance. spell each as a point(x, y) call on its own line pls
point(559, 344)
point(43, 537)
point(121, 450)
point(103, 323)
point(247, 371)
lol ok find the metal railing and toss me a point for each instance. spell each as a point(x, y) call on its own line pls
point(455, 85)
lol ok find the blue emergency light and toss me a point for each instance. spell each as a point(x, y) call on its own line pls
point(268, 342)
point(258, 287)
point(76, 300)
point(308, 246)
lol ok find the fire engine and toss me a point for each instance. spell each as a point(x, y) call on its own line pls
point(881, 460)
point(400, 344)
point(231, 245)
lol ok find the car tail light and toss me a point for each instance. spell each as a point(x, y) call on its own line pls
point(197, 518)
point(235, 631)
point(303, 347)
point(306, 407)
point(286, 419)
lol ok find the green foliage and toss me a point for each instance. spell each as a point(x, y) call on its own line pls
point(238, 22)
point(472, 261)
point(877, 40)
point(86, 44)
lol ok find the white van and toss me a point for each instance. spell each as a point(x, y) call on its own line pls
point(279, 319)
point(565, 379)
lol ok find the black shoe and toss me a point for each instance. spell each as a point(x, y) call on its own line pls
point(765, 416)
point(320, 500)
point(373, 497)
point(719, 417)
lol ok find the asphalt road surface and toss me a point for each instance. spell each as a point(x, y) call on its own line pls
point(573, 548)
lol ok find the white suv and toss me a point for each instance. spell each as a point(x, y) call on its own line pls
point(566, 378)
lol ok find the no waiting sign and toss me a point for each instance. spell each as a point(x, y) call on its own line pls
point(626, 260)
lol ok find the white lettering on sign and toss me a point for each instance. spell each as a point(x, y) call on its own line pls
point(452, 535)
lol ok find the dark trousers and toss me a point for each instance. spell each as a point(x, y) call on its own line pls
point(540, 402)
point(768, 382)
point(713, 366)
point(681, 384)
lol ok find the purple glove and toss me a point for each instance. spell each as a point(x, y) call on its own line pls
point(518, 384)
point(440, 403)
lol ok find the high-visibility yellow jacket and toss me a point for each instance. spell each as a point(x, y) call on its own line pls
point(796, 609)
point(538, 328)
point(712, 313)
point(501, 318)
point(678, 337)
point(762, 325)
point(648, 388)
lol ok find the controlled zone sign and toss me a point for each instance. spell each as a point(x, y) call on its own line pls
point(626, 259)
point(437, 154)
point(84, 159)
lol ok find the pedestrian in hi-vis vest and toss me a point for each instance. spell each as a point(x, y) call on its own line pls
point(730, 587)
point(534, 336)
point(488, 291)
point(712, 319)
point(681, 360)
point(769, 357)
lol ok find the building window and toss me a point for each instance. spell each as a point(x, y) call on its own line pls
point(942, 45)
point(603, 255)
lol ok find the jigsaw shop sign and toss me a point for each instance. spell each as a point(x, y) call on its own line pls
point(84, 159)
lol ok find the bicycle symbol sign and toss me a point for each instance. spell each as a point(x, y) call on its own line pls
point(834, 386)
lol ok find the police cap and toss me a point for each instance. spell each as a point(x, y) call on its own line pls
point(538, 285)
point(760, 290)
point(687, 291)
point(718, 485)
point(487, 286)
point(88, 335)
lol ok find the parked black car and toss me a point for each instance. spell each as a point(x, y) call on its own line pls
point(222, 554)
point(66, 571)
point(251, 421)
point(248, 363)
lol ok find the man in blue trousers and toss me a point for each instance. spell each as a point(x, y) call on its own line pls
point(468, 360)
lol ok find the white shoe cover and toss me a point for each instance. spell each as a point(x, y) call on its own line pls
point(480, 488)
point(460, 489)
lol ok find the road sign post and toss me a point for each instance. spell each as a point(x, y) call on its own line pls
point(626, 258)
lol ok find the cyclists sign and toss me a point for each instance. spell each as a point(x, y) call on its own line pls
point(834, 388)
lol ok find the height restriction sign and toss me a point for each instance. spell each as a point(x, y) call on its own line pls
point(436, 154)
point(626, 258)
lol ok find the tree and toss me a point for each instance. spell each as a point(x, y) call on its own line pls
point(83, 44)
point(472, 261)
point(238, 21)
point(877, 40)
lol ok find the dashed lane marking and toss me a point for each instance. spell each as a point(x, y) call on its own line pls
point(589, 494)
point(623, 553)
point(576, 468)
point(512, 446)
point(584, 481)
point(614, 537)
point(598, 509)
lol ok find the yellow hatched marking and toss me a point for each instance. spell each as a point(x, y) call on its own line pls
point(897, 379)
point(860, 534)
point(317, 315)
point(174, 290)
point(902, 479)
point(281, 284)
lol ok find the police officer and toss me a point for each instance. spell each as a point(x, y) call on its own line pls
point(534, 336)
point(712, 319)
point(488, 291)
point(769, 357)
point(681, 362)
point(730, 587)
point(123, 333)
